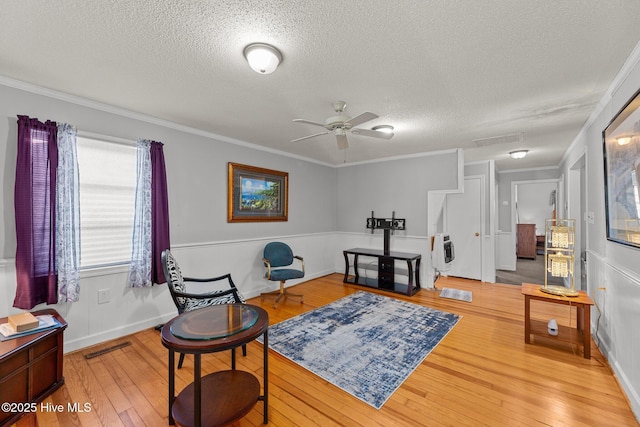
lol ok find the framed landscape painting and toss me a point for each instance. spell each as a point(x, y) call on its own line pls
point(256, 194)
point(621, 141)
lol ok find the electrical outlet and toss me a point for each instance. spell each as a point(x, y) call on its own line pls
point(589, 217)
point(104, 295)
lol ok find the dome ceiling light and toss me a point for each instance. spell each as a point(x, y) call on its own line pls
point(518, 154)
point(262, 58)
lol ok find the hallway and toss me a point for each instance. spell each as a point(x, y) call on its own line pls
point(527, 270)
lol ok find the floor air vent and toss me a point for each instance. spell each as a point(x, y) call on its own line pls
point(106, 350)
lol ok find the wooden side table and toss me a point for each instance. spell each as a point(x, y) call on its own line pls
point(30, 367)
point(230, 394)
point(582, 332)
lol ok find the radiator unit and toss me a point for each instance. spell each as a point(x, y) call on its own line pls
point(442, 253)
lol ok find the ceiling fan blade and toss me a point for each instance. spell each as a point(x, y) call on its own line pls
point(364, 117)
point(372, 133)
point(309, 122)
point(342, 141)
point(309, 136)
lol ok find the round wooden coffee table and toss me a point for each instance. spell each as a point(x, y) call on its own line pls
point(230, 394)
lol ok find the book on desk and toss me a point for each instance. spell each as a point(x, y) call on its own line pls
point(45, 322)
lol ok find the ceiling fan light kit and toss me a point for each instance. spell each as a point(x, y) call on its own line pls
point(341, 124)
point(262, 58)
point(383, 128)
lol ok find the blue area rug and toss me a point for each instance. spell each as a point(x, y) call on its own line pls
point(364, 343)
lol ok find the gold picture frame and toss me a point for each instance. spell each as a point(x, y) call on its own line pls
point(256, 194)
point(621, 140)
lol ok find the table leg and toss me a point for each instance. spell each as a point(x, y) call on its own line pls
point(233, 359)
point(346, 267)
point(265, 374)
point(355, 268)
point(527, 319)
point(417, 274)
point(410, 272)
point(172, 384)
point(197, 390)
point(586, 330)
point(579, 315)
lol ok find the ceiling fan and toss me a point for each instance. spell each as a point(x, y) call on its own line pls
point(341, 124)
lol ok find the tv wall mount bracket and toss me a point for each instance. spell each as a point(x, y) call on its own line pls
point(389, 225)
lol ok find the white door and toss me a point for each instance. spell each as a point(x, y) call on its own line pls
point(464, 225)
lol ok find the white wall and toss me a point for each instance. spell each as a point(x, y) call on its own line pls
point(613, 270)
point(533, 203)
point(399, 185)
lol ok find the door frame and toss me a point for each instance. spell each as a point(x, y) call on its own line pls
point(576, 208)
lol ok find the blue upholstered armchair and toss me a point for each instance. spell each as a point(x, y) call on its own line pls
point(279, 260)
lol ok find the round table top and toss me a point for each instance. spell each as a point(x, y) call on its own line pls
point(215, 328)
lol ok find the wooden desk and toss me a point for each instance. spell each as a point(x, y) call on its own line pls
point(30, 367)
point(231, 394)
point(582, 332)
point(385, 270)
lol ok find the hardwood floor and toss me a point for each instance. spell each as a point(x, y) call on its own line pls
point(482, 373)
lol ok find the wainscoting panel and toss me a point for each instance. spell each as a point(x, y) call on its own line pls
point(615, 330)
point(243, 259)
point(505, 251)
point(134, 309)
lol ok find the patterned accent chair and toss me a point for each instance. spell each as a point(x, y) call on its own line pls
point(278, 258)
point(186, 301)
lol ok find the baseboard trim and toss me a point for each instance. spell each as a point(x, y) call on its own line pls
point(89, 340)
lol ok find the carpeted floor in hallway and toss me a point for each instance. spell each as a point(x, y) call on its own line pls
point(527, 270)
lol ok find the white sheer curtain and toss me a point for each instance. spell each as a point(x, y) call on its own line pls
point(140, 268)
point(67, 215)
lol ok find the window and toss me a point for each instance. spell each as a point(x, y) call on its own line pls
point(107, 195)
point(41, 184)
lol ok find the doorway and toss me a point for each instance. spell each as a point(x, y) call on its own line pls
point(533, 202)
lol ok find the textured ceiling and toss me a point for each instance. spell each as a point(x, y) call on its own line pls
point(443, 73)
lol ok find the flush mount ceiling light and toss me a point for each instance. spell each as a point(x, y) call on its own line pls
point(383, 128)
point(518, 154)
point(262, 58)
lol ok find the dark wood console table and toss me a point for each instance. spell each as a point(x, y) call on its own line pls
point(30, 368)
point(230, 394)
point(385, 270)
